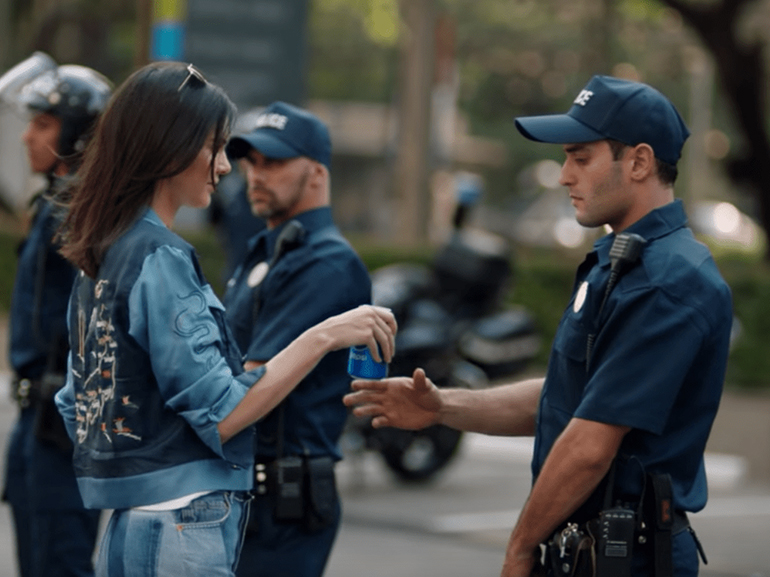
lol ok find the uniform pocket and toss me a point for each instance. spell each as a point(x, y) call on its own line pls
point(567, 366)
point(571, 340)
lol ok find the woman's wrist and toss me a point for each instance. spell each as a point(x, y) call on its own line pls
point(318, 340)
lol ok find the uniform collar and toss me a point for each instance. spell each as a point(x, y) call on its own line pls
point(311, 220)
point(655, 224)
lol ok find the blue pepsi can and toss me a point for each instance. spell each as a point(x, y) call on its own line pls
point(361, 365)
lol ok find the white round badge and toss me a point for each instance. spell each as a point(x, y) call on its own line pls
point(257, 274)
point(580, 297)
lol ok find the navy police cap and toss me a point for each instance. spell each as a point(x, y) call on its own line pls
point(285, 131)
point(630, 112)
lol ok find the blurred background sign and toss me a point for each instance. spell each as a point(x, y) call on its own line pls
point(254, 49)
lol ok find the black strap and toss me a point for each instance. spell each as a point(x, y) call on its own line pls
point(289, 238)
point(608, 490)
point(663, 522)
point(624, 252)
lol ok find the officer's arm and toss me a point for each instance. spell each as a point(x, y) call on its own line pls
point(578, 461)
point(248, 365)
point(415, 403)
point(503, 410)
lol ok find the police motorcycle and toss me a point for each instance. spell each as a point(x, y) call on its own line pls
point(452, 323)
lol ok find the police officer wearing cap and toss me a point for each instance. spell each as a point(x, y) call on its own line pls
point(55, 534)
point(298, 271)
point(637, 364)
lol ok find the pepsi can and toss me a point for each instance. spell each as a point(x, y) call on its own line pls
point(361, 365)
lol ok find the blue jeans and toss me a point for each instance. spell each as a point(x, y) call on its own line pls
point(203, 539)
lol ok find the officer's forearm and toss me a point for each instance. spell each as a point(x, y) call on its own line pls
point(578, 461)
point(503, 410)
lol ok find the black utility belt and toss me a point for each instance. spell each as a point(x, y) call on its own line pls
point(300, 489)
point(39, 394)
point(604, 546)
point(28, 391)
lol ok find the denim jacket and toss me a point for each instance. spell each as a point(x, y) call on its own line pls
point(153, 369)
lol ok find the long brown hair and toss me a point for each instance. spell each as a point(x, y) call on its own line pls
point(153, 128)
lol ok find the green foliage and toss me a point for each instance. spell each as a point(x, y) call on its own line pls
point(352, 56)
point(543, 284)
point(750, 358)
point(8, 245)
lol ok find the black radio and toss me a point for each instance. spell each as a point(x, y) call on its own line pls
point(615, 541)
point(289, 488)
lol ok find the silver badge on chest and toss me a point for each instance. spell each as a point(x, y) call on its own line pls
point(580, 297)
point(257, 274)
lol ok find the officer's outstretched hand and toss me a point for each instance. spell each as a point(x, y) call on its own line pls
point(403, 402)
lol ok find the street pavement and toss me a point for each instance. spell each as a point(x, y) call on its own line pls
point(458, 524)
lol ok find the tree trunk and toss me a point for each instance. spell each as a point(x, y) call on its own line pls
point(742, 74)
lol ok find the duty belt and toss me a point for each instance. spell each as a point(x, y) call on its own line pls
point(25, 391)
point(28, 391)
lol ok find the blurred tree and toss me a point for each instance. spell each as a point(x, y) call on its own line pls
point(354, 49)
point(742, 71)
point(514, 57)
point(95, 33)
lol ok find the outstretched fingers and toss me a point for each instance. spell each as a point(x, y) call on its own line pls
point(403, 402)
point(368, 400)
point(420, 380)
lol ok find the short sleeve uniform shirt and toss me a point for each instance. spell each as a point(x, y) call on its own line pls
point(319, 276)
point(658, 360)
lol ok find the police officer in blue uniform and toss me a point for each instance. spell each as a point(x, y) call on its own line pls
point(298, 271)
point(637, 364)
point(55, 534)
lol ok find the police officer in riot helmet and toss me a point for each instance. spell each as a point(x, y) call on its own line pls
point(55, 534)
point(71, 97)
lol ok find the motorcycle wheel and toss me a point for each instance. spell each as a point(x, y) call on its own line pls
point(416, 456)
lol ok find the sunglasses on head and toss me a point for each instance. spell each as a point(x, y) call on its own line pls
point(192, 73)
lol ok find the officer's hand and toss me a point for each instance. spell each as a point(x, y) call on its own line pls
point(397, 402)
point(522, 565)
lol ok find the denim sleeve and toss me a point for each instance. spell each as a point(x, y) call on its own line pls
point(171, 316)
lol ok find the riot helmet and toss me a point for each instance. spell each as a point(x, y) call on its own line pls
point(74, 94)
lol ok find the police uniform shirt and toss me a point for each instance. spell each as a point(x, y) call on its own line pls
point(658, 361)
point(319, 278)
point(38, 321)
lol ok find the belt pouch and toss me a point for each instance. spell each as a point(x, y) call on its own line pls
point(289, 489)
point(321, 493)
point(570, 553)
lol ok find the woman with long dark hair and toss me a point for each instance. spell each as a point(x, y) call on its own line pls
point(156, 399)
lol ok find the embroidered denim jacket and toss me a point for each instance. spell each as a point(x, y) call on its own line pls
point(153, 369)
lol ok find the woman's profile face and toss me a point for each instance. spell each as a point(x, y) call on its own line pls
point(194, 186)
